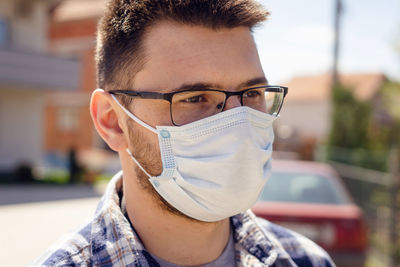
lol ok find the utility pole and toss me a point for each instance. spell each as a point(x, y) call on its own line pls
point(394, 205)
point(337, 17)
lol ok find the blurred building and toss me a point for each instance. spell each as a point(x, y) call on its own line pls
point(72, 30)
point(47, 73)
point(306, 117)
point(28, 73)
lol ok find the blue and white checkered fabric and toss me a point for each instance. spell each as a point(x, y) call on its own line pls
point(109, 240)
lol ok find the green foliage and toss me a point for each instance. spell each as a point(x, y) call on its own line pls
point(391, 102)
point(56, 176)
point(350, 120)
point(391, 98)
point(357, 127)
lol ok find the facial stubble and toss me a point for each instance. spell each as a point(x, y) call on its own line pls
point(149, 158)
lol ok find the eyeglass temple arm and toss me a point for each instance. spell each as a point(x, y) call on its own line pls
point(149, 95)
point(277, 88)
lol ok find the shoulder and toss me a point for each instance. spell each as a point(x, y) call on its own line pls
point(72, 249)
point(300, 249)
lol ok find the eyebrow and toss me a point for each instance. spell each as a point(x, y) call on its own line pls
point(255, 81)
point(202, 86)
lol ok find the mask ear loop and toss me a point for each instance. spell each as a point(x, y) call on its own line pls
point(133, 117)
point(137, 163)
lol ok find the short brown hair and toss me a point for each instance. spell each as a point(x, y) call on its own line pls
point(121, 29)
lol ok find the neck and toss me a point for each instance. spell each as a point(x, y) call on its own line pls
point(171, 237)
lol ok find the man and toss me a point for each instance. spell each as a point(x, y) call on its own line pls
point(185, 103)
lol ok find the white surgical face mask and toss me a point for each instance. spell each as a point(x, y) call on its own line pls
point(216, 167)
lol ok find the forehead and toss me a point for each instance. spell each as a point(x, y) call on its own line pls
point(178, 54)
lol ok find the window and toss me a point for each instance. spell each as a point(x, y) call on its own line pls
point(68, 119)
point(302, 188)
point(4, 35)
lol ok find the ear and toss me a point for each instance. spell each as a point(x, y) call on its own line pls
point(106, 120)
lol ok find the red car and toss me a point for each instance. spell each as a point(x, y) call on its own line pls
point(309, 198)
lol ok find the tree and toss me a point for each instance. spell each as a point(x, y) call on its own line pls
point(350, 120)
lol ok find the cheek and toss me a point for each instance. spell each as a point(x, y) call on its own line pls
point(145, 148)
point(143, 143)
point(142, 140)
point(152, 141)
point(153, 112)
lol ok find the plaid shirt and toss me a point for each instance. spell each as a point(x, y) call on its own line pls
point(110, 241)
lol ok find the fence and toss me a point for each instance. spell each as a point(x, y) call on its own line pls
point(378, 194)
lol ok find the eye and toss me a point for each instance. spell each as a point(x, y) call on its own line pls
point(194, 99)
point(201, 98)
point(252, 93)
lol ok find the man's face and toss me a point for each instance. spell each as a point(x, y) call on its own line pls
point(177, 55)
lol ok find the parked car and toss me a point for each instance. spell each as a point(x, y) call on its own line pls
point(310, 198)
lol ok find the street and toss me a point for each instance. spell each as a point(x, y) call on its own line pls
point(28, 229)
point(33, 217)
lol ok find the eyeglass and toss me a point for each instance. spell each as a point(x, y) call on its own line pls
point(191, 105)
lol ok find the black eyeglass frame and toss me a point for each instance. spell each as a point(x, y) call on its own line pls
point(169, 96)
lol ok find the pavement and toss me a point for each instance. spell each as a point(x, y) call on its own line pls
point(32, 217)
point(29, 193)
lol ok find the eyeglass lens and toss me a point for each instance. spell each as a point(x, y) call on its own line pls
point(190, 106)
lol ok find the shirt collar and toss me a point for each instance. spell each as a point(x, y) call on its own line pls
point(112, 230)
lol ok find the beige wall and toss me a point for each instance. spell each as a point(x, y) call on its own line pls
point(6, 8)
point(309, 119)
point(27, 23)
point(21, 120)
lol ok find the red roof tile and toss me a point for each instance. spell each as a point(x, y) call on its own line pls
point(318, 88)
point(70, 10)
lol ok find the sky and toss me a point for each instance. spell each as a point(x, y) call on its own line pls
point(298, 38)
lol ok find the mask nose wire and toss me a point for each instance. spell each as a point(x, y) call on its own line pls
point(133, 117)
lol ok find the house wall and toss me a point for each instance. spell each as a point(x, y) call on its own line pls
point(67, 122)
point(27, 24)
point(28, 74)
point(6, 14)
point(76, 37)
point(21, 117)
point(308, 119)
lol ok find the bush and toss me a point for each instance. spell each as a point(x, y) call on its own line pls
point(351, 118)
point(365, 130)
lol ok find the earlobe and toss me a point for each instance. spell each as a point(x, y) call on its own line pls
point(106, 120)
